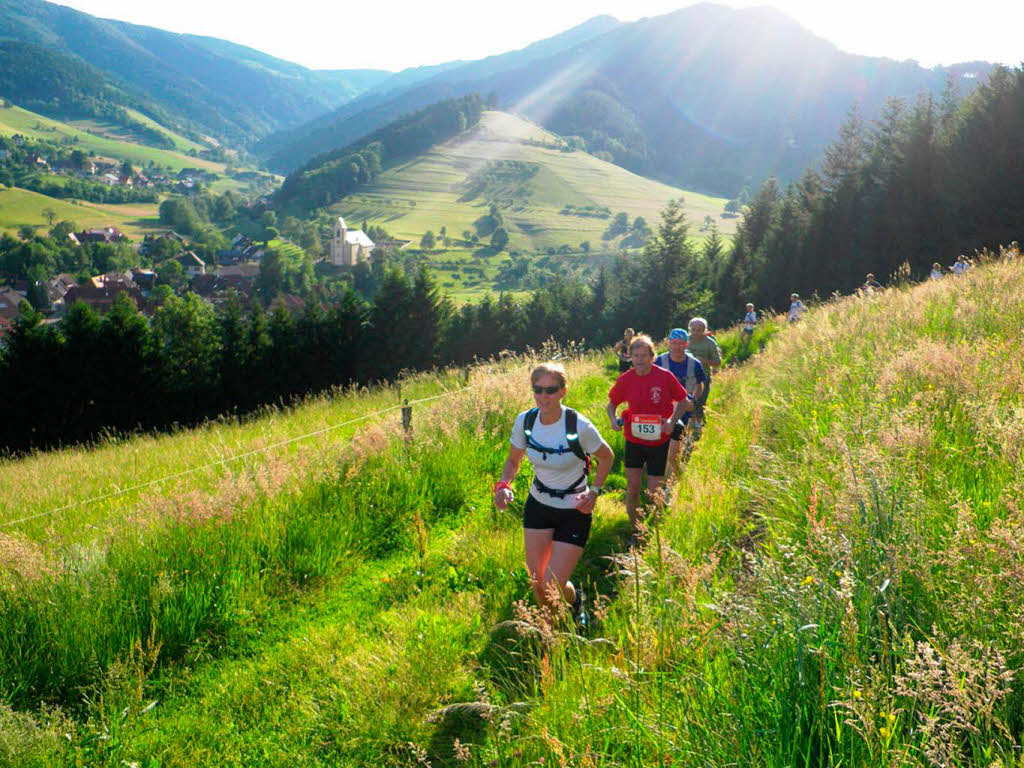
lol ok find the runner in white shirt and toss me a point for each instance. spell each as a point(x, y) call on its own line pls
point(558, 511)
point(796, 308)
point(749, 323)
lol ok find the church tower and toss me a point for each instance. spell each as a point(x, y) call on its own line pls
point(338, 242)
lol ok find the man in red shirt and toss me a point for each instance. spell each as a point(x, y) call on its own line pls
point(655, 401)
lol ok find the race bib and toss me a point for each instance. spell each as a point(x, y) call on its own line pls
point(646, 428)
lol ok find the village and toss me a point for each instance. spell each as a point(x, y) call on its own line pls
point(235, 273)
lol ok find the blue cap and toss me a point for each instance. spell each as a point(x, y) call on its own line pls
point(679, 333)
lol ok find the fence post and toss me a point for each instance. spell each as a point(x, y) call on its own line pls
point(465, 376)
point(407, 418)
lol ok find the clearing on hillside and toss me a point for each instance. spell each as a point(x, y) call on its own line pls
point(21, 207)
point(548, 194)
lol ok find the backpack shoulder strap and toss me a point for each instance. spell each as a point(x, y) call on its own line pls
point(528, 421)
point(572, 434)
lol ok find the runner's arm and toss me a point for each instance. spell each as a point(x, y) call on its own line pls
point(612, 417)
point(504, 495)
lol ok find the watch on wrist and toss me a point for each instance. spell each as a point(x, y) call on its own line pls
point(597, 489)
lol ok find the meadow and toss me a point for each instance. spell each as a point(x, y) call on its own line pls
point(14, 120)
point(22, 207)
point(445, 187)
point(835, 581)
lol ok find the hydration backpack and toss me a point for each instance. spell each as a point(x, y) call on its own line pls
point(572, 437)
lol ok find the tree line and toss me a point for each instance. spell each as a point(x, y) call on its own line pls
point(924, 183)
point(332, 175)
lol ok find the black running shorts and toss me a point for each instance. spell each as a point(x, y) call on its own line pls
point(570, 525)
point(654, 456)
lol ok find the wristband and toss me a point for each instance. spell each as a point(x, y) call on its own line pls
point(502, 484)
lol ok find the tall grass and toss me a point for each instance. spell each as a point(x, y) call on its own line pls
point(835, 583)
point(838, 581)
point(71, 480)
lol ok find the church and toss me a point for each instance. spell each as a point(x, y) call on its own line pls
point(349, 247)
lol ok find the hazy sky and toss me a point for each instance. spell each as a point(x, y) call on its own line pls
point(395, 35)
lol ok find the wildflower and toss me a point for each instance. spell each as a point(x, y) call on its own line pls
point(883, 732)
point(808, 581)
point(858, 695)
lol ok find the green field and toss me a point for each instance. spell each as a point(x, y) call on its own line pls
point(436, 189)
point(121, 133)
point(835, 583)
point(16, 120)
point(20, 207)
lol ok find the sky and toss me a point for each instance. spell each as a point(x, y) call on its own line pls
point(395, 35)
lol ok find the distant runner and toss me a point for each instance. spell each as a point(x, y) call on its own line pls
point(690, 373)
point(749, 323)
point(961, 265)
point(621, 348)
point(796, 308)
point(655, 402)
point(705, 349)
point(558, 510)
point(870, 284)
point(936, 273)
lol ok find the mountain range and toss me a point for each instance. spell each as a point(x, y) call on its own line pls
point(706, 97)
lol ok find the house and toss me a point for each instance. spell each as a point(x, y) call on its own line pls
point(108, 235)
point(112, 278)
point(191, 264)
point(57, 288)
point(101, 297)
point(144, 278)
point(245, 270)
point(110, 179)
point(349, 247)
point(10, 301)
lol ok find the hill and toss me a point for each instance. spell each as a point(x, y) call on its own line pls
point(549, 196)
point(64, 87)
point(209, 86)
point(836, 579)
point(288, 149)
point(749, 94)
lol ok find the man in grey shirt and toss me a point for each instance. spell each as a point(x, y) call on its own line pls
point(706, 350)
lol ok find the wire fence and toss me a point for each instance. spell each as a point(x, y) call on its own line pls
point(406, 408)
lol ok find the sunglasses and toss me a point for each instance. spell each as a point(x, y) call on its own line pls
point(545, 390)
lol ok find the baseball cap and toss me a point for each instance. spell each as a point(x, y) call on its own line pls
point(679, 333)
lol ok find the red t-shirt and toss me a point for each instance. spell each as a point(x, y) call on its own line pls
point(648, 396)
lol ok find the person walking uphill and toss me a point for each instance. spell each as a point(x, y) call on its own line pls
point(621, 349)
point(655, 402)
point(702, 346)
point(559, 508)
point(690, 373)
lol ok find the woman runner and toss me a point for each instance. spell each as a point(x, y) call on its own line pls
point(558, 510)
point(621, 349)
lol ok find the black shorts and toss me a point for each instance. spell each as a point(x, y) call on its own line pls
point(654, 456)
point(624, 365)
point(570, 525)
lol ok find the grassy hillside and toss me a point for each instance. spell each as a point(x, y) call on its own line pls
point(16, 120)
point(20, 207)
point(835, 583)
point(449, 186)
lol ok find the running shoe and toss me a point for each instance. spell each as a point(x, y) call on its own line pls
point(579, 613)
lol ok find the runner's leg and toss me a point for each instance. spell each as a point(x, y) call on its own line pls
point(634, 485)
point(560, 567)
point(538, 553)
